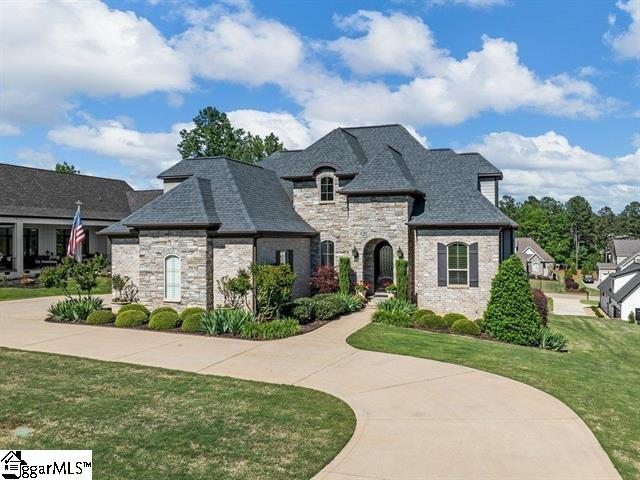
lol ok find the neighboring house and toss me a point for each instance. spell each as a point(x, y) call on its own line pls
point(37, 208)
point(374, 194)
point(624, 252)
point(620, 292)
point(535, 259)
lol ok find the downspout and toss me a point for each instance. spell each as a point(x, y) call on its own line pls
point(253, 278)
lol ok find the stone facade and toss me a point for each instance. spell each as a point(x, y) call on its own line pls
point(301, 247)
point(353, 221)
point(470, 301)
point(196, 256)
point(229, 256)
point(125, 259)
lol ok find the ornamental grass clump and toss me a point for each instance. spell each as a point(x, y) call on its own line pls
point(74, 309)
point(225, 320)
point(511, 315)
point(394, 311)
point(279, 328)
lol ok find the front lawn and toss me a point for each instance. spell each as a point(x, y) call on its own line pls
point(548, 286)
point(150, 423)
point(598, 378)
point(17, 293)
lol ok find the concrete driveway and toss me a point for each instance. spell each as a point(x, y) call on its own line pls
point(417, 419)
point(569, 304)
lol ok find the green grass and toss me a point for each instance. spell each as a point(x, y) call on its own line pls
point(592, 291)
point(551, 286)
point(17, 293)
point(150, 423)
point(589, 302)
point(598, 378)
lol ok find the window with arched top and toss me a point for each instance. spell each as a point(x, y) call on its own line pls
point(327, 253)
point(326, 189)
point(172, 280)
point(458, 264)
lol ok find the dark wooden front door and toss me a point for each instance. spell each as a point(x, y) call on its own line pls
point(383, 265)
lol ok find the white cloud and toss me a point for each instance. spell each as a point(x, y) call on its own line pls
point(470, 3)
point(626, 44)
point(52, 50)
point(146, 153)
point(293, 132)
point(8, 130)
point(36, 158)
point(548, 165)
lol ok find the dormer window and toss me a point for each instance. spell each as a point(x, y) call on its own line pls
point(326, 189)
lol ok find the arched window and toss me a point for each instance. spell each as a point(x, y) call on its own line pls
point(326, 253)
point(458, 264)
point(172, 281)
point(326, 189)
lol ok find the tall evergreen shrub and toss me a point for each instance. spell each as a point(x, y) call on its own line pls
point(402, 279)
point(511, 315)
point(345, 275)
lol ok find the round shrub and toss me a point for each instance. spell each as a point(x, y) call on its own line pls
point(303, 310)
point(432, 322)
point(465, 327)
point(165, 320)
point(100, 317)
point(421, 313)
point(325, 309)
point(339, 301)
point(187, 312)
point(134, 306)
point(451, 318)
point(191, 323)
point(131, 318)
point(161, 309)
point(511, 315)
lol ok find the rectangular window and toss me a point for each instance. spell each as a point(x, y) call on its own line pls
point(458, 264)
point(62, 240)
point(6, 248)
point(326, 253)
point(30, 247)
point(284, 256)
point(326, 189)
point(172, 280)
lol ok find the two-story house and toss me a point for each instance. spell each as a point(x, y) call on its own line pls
point(373, 194)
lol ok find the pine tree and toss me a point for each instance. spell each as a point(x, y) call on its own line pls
point(345, 275)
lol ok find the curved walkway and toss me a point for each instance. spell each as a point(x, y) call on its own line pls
point(417, 419)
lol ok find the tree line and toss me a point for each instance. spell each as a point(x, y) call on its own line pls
point(571, 232)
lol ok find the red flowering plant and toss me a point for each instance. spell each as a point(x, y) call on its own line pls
point(325, 280)
point(361, 287)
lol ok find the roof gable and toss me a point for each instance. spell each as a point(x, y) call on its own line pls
point(625, 247)
point(523, 244)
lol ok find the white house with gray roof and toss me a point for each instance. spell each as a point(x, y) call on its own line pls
point(37, 208)
point(620, 292)
point(623, 253)
point(373, 194)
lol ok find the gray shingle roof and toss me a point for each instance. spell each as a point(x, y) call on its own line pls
point(606, 266)
point(522, 243)
point(629, 287)
point(449, 181)
point(34, 192)
point(139, 198)
point(231, 196)
point(625, 247)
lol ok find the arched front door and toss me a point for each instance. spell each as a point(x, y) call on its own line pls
point(382, 265)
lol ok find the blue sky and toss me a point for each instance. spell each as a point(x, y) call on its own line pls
point(546, 90)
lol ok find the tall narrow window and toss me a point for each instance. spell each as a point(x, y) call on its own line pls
point(284, 256)
point(326, 189)
point(172, 282)
point(458, 264)
point(326, 253)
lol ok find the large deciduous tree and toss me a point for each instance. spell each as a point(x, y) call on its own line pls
point(213, 135)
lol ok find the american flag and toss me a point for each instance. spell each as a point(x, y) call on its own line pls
point(74, 248)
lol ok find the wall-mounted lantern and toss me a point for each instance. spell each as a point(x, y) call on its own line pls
point(400, 253)
point(355, 254)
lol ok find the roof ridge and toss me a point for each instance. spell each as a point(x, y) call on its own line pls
point(223, 157)
point(243, 205)
point(207, 196)
point(64, 173)
point(439, 149)
point(402, 165)
point(374, 126)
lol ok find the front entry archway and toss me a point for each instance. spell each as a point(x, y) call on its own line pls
point(378, 264)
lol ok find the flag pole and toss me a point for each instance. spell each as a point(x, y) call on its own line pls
point(78, 250)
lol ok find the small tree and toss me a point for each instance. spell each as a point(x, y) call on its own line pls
point(83, 274)
point(345, 275)
point(511, 315)
point(274, 287)
point(402, 279)
point(325, 280)
point(235, 290)
point(631, 317)
point(65, 167)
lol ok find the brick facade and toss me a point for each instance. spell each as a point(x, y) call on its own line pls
point(125, 259)
point(229, 256)
point(471, 301)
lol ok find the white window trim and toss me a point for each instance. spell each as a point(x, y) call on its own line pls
point(334, 251)
point(457, 285)
point(164, 284)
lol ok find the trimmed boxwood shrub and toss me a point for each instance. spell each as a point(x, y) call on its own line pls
point(511, 315)
point(134, 306)
point(164, 320)
point(465, 327)
point(191, 323)
point(131, 318)
point(451, 318)
point(344, 279)
point(325, 309)
point(432, 322)
point(161, 309)
point(303, 310)
point(100, 317)
point(187, 312)
point(421, 313)
point(280, 328)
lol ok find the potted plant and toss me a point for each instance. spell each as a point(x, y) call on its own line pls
point(362, 289)
point(391, 290)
